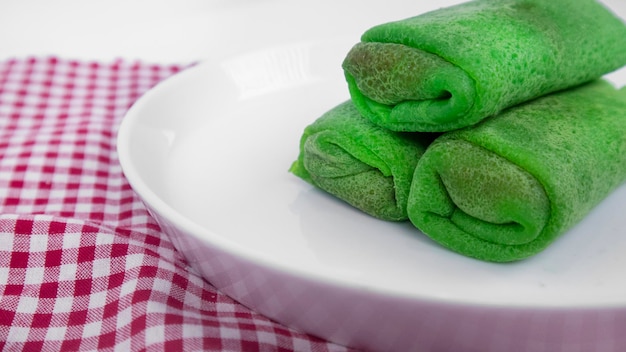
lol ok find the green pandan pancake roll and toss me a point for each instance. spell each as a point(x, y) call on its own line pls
point(506, 188)
point(366, 166)
point(452, 67)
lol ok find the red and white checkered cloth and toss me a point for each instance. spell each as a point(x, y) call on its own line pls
point(83, 266)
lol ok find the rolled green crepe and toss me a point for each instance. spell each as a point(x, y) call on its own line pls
point(506, 188)
point(366, 166)
point(452, 67)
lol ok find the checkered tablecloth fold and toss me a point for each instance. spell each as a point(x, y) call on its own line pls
point(83, 265)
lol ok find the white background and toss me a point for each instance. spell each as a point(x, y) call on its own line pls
point(174, 31)
point(182, 31)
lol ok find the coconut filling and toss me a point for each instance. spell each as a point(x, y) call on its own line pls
point(404, 86)
point(480, 193)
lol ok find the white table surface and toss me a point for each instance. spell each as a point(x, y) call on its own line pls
point(182, 31)
point(170, 31)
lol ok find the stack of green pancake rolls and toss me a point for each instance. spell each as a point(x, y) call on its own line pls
point(527, 137)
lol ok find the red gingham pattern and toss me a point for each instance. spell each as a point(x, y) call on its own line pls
point(83, 266)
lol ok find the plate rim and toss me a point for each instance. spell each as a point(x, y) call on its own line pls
point(151, 200)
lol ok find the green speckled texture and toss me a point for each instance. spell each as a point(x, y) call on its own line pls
point(505, 189)
point(482, 56)
point(368, 167)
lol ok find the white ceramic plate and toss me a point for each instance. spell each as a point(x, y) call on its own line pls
point(208, 151)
